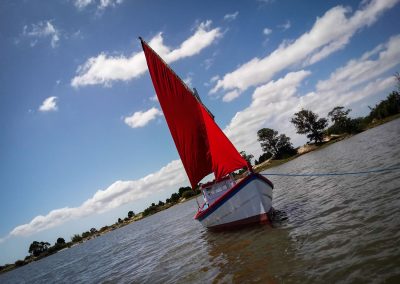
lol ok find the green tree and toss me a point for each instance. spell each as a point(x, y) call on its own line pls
point(263, 157)
point(174, 197)
point(160, 203)
point(248, 158)
point(341, 121)
point(188, 194)
point(183, 189)
point(131, 214)
point(307, 122)
point(60, 241)
point(279, 146)
point(36, 248)
point(339, 116)
point(389, 106)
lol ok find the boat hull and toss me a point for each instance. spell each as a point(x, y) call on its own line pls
point(249, 201)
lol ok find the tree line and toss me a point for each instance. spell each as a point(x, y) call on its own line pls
point(40, 249)
point(277, 146)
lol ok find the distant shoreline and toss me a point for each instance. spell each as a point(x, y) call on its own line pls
point(257, 168)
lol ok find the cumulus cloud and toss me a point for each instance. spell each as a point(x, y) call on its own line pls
point(329, 33)
point(49, 104)
point(41, 30)
point(117, 194)
point(230, 96)
point(269, 102)
point(231, 17)
point(142, 118)
point(104, 69)
point(359, 70)
point(274, 103)
point(101, 4)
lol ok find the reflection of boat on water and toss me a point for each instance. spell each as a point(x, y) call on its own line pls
point(204, 149)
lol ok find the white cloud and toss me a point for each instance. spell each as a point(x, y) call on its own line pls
point(267, 31)
point(230, 96)
point(330, 33)
point(231, 17)
point(80, 4)
point(109, 3)
point(214, 78)
point(42, 30)
point(49, 104)
point(101, 4)
point(117, 194)
point(266, 1)
point(142, 118)
point(269, 102)
point(357, 71)
point(285, 26)
point(274, 103)
point(104, 69)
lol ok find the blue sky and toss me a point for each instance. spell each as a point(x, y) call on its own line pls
point(83, 140)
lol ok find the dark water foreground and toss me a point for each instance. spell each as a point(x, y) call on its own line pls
point(340, 230)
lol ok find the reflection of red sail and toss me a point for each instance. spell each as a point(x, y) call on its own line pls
point(201, 144)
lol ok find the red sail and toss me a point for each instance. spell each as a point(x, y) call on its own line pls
point(201, 144)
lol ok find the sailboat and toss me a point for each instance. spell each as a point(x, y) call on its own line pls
point(204, 149)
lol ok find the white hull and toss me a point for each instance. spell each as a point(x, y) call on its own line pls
point(248, 202)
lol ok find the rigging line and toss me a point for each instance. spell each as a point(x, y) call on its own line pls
point(334, 174)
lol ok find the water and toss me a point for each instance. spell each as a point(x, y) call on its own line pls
point(340, 230)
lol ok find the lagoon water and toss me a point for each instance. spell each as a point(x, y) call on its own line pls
point(341, 229)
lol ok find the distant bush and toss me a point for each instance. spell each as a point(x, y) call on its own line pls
point(188, 194)
point(150, 210)
point(76, 238)
point(131, 214)
point(263, 158)
point(388, 107)
point(184, 189)
point(85, 234)
point(19, 263)
point(174, 197)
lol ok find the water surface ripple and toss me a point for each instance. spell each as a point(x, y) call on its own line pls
point(341, 229)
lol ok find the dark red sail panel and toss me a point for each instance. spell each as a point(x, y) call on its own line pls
point(224, 156)
point(201, 144)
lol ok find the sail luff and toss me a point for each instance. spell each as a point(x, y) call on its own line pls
point(166, 65)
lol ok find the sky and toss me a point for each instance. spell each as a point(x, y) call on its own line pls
point(83, 138)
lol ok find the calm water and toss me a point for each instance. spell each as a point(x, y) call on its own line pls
point(340, 230)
